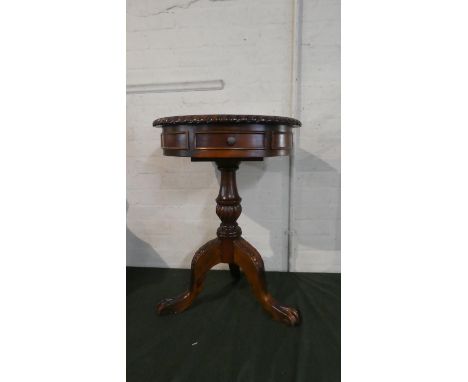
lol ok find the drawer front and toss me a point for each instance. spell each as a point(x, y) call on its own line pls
point(281, 141)
point(236, 141)
point(174, 140)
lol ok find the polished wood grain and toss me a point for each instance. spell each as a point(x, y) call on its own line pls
point(212, 141)
point(228, 140)
point(237, 140)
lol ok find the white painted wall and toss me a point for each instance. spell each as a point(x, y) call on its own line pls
point(240, 53)
point(317, 162)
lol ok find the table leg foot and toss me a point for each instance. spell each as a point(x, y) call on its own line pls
point(203, 260)
point(248, 258)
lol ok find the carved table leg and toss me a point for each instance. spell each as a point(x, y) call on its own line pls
point(230, 248)
point(252, 264)
point(235, 271)
point(203, 260)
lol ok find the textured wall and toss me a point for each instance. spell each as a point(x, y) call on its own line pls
point(202, 56)
point(316, 181)
point(171, 203)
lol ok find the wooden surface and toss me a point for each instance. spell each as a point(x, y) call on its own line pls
point(226, 118)
point(228, 139)
point(226, 136)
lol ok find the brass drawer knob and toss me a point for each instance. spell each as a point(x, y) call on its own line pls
point(231, 140)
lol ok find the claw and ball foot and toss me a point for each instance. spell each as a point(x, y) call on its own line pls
point(251, 262)
point(203, 260)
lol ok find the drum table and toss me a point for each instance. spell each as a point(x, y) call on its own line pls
point(228, 140)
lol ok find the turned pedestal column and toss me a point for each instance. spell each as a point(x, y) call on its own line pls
point(227, 140)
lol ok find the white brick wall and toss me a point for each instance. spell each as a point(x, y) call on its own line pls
point(248, 45)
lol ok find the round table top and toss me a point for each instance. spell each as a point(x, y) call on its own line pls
point(226, 119)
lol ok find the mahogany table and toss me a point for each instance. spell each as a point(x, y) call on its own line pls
point(228, 140)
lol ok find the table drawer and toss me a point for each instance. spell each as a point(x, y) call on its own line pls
point(174, 140)
point(227, 140)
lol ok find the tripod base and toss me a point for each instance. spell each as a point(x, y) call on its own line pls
point(238, 253)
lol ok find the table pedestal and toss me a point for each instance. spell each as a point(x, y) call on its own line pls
point(230, 248)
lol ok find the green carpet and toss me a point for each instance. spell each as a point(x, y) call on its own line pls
point(226, 336)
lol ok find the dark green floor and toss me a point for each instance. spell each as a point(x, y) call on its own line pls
point(226, 336)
